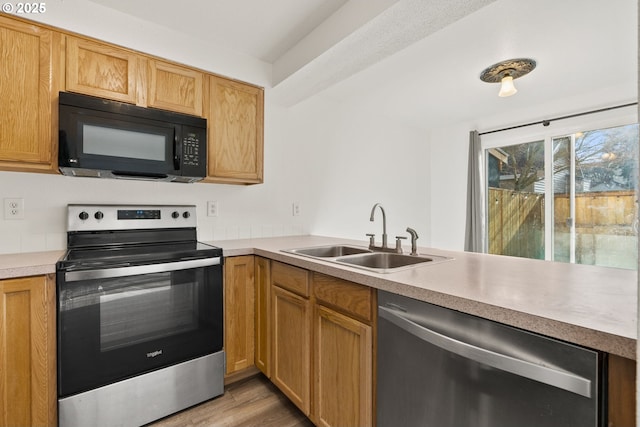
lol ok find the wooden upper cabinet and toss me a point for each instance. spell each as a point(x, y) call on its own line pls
point(29, 87)
point(102, 70)
point(176, 88)
point(235, 120)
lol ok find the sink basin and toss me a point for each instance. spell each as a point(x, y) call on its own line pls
point(361, 257)
point(378, 261)
point(331, 251)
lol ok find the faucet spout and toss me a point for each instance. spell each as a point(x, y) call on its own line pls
point(384, 222)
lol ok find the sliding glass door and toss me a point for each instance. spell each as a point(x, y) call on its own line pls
point(516, 200)
point(569, 198)
point(595, 217)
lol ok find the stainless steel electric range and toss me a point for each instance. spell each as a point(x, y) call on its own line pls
point(140, 315)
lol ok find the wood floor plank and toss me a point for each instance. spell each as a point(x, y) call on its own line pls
point(248, 403)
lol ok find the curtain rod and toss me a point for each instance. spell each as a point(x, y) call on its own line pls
point(547, 122)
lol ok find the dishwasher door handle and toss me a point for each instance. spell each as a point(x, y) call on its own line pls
point(106, 273)
point(554, 377)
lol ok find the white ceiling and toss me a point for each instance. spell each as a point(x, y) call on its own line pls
point(418, 60)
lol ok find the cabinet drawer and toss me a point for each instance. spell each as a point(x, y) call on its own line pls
point(289, 277)
point(353, 299)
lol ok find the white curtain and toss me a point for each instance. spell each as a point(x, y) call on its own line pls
point(475, 234)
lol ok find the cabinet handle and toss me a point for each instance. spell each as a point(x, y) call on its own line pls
point(554, 377)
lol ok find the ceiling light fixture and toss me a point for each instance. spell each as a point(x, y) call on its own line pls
point(505, 72)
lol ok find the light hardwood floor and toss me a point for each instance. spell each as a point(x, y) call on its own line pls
point(247, 403)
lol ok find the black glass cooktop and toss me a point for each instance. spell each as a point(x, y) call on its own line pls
point(83, 258)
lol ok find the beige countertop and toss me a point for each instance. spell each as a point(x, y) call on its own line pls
point(591, 306)
point(29, 264)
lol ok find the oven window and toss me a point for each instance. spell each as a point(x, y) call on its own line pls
point(138, 309)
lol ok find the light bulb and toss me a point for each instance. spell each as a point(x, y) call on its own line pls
point(507, 88)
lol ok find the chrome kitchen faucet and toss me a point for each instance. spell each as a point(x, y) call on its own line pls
point(384, 247)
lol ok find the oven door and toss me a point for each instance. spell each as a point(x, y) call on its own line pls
point(118, 322)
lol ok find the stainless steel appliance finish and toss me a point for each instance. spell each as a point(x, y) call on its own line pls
point(441, 368)
point(140, 315)
point(147, 397)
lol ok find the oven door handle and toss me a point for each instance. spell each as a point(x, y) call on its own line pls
point(106, 273)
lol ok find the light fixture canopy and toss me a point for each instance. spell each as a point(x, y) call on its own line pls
point(505, 72)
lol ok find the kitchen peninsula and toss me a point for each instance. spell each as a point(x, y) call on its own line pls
point(590, 306)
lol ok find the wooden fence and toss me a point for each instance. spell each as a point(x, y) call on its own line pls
point(516, 219)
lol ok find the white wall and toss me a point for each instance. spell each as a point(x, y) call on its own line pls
point(355, 160)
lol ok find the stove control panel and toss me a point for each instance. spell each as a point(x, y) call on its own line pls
point(129, 217)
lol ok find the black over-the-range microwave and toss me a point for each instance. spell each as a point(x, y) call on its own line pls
point(109, 139)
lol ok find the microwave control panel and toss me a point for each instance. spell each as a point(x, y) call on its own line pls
point(191, 149)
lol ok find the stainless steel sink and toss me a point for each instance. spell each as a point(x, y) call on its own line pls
point(382, 261)
point(330, 251)
point(361, 257)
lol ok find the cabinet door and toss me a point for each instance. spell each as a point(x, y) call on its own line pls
point(291, 346)
point(175, 88)
point(29, 87)
point(621, 391)
point(343, 370)
point(101, 70)
point(27, 358)
point(236, 115)
point(263, 313)
point(238, 314)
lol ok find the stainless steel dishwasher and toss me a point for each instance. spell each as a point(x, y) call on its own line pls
point(442, 368)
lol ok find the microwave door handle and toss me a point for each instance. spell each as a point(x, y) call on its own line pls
point(107, 273)
point(177, 150)
point(562, 379)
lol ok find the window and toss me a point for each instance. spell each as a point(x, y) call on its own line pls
point(567, 197)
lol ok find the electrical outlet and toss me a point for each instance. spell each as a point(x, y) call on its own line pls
point(295, 209)
point(13, 208)
point(212, 208)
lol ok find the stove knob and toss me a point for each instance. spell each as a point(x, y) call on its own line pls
point(83, 215)
point(186, 214)
point(98, 215)
point(175, 215)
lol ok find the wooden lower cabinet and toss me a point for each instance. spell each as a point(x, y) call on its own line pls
point(27, 352)
point(621, 392)
point(262, 342)
point(342, 370)
point(239, 312)
point(291, 346)
point(322, 345)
